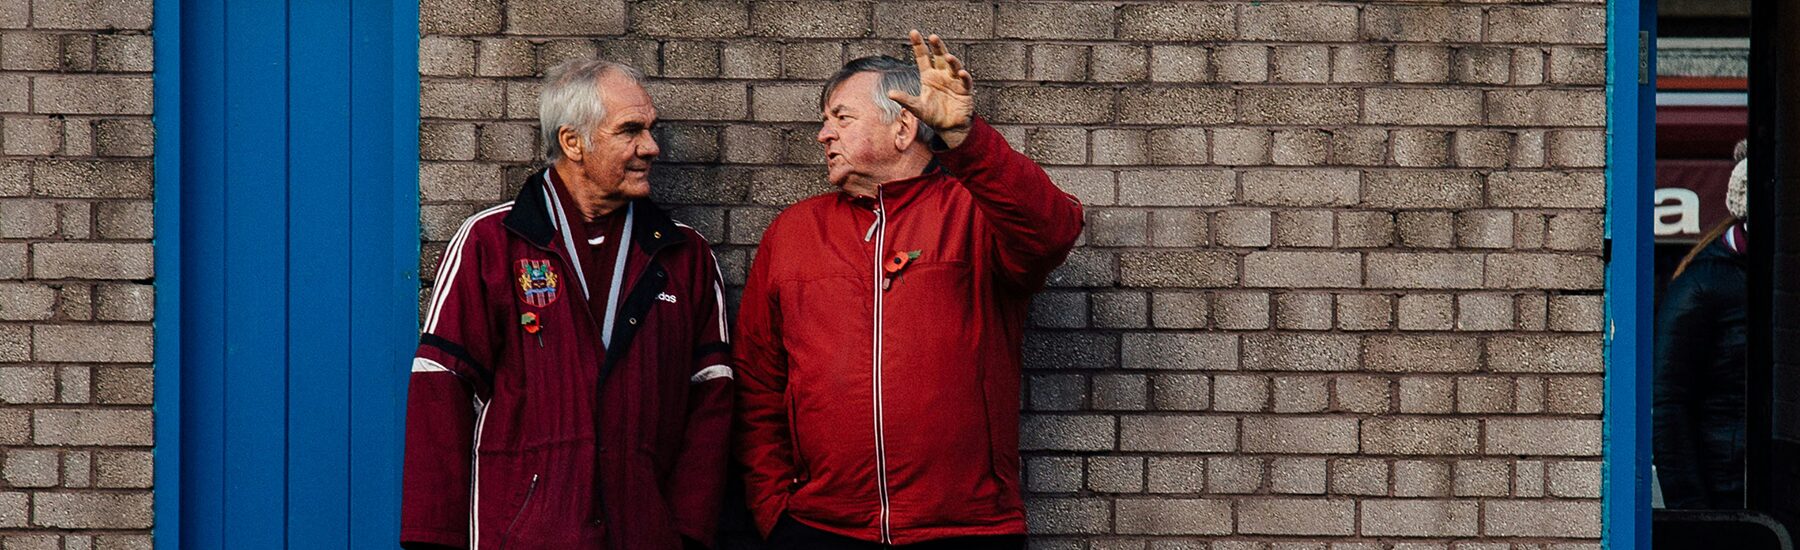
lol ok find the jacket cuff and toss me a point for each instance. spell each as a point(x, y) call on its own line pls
point(977, 144)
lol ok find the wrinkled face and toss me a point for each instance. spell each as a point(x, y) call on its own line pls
point(859, 146)
point(620, 148)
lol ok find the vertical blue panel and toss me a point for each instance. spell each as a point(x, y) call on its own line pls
point(202, 287)
point(287, 202)
point(384, 207)
point(1630, 153)
point(319, 258)
point(255, 268)
point(167, 240)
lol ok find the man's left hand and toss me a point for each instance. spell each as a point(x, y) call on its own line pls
point(946, 100)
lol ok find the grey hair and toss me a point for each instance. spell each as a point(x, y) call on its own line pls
point(570, 98)
point(894, 73)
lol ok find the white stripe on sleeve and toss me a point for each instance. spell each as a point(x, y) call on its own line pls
point(447, 270)
point(709, 373)
point(421, 364)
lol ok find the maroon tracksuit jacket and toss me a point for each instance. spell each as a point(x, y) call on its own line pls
point(878, 349)
point(526, 428)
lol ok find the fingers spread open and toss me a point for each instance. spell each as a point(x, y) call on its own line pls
point(939, 53)
point(920, 54)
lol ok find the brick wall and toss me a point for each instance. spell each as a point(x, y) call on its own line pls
point(1341, 278)
point(75, 274)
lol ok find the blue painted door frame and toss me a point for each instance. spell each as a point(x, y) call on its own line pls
point(287, 253)
point(1630, 176)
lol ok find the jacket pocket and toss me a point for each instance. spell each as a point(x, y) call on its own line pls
point(987, 428)
point(800, 473)
point(530, 491)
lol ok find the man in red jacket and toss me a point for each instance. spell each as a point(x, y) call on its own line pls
point(572, 388)
point(878, 337)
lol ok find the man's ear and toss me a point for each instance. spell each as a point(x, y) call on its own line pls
point(906, 130)
point(571, 143)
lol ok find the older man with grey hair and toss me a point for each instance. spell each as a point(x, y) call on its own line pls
point(572, 386)
point(880, 327)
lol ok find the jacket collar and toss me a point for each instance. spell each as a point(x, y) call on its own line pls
point(901, 191)
point(531, 218)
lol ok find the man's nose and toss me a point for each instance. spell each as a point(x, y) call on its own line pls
point(649, 149)
point(824, 135)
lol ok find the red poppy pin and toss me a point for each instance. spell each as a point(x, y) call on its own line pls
point(896, 263)
point(529, 321)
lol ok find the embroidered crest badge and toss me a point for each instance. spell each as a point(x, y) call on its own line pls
point(537, 282)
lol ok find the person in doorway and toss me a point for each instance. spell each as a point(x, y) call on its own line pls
point(1701, 328)
point(572, 387)
point(879, 333)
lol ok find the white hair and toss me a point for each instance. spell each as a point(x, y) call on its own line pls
point(571, 98)
point(893, 74)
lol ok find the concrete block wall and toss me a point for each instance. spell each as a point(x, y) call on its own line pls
point(1340, 284)
point(76, 269)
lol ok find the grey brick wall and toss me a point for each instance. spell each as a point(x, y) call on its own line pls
point(76, 265)
point(1341, 279)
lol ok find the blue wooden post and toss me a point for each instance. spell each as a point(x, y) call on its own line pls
point(287, 253)
point(1631, 154)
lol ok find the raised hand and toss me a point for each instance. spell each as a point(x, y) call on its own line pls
point(946, 100)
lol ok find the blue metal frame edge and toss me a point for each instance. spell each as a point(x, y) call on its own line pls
point(406, 159)
point(1625, 496)
point(167, 244)
point(406, 153)
point(406, 208)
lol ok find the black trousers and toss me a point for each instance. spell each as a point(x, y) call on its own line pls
point(793, 535)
